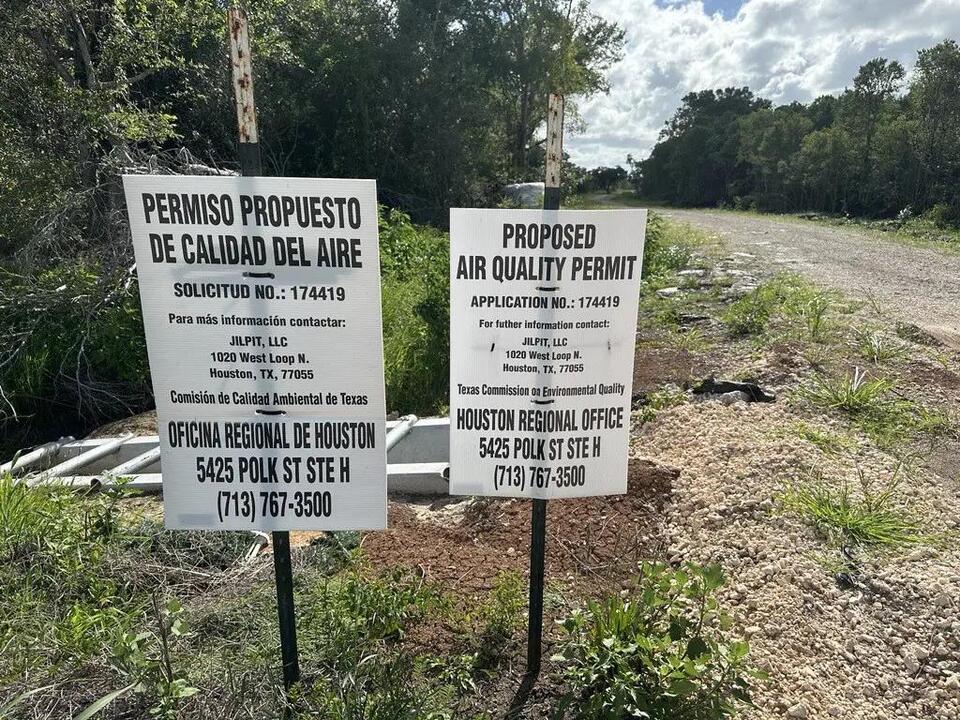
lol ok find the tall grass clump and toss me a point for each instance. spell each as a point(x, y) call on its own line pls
point(876, 346)
point(845, 515)
point(667, 247)
point(856, 394)
point(806, 309)
point(415, 267)
point(868, 403)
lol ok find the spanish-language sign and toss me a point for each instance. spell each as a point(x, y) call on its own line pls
point(261, 305)
point(543, 315)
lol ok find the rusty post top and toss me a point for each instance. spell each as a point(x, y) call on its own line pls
point(241, 65)
point(554, 144)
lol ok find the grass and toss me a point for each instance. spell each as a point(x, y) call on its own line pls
point(876, 346)
point(803, 309)
point(856, 394)
point(864, 517)
point(832, 443)
point(667, 397)
point(867, 401)
point(100, 611)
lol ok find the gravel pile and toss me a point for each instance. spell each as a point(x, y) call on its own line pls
point(887, 646)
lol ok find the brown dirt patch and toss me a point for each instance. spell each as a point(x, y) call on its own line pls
point(654, 367)
point(934, 376)
point(944, 459)
point(593, 543)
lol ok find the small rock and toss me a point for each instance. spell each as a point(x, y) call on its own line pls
point(736, 396)
point(953, 683)
point(668, 292)
point(797, 711)
point(943, 600)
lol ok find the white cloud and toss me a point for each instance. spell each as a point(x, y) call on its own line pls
point(784, 50)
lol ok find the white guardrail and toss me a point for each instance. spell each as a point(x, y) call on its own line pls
point(418, 459)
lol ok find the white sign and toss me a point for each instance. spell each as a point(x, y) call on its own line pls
point(261, 304)
point(543, 318)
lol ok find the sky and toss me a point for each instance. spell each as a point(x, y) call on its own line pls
point(784, 50)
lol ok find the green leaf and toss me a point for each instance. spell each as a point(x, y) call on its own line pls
point(697, 647)
point(683, 686)
point(98, 705)
point(7, 710)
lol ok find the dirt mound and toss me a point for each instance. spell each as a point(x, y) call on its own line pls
point(464, 544)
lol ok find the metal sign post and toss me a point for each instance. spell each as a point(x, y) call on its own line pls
point(538, 516)
point(250, 165)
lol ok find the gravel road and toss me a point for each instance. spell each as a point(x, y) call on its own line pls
point(918, 285)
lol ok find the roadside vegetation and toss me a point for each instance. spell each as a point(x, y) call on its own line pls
point(105, 614)
point(846, 375)
point(884, 153)
point(866, 514)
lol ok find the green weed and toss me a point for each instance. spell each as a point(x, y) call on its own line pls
point(867, 402)
point(667, 397)
point(787, 296)
point(811, 308)
point(691, 340)
point(827, 441)
point(876, 346)
point(663, 652)
point(749, 315)
point(667, 248)
point(854, 394)
point(869, 517)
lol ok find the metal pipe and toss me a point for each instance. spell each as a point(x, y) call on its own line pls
point(21, 462)
point(134, 464)
point(70, 467)
point(400, 431)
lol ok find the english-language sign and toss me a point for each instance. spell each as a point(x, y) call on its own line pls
point(543, 309)
point(261, 305)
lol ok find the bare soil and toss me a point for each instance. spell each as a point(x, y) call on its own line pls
point(464, 544)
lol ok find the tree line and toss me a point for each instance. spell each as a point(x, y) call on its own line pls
point(440, 102)
point(882, 148)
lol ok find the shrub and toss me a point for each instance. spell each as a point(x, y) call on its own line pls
point(75, 353)
point(663, 653)
point(944, 216)
point(415, 266)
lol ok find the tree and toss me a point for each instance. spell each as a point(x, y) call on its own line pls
point(696, 160)
point(862, 109)
point(934, 105)
point(769, 142)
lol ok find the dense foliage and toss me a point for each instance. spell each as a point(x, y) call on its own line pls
point(879, 149)
point(441, 103)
